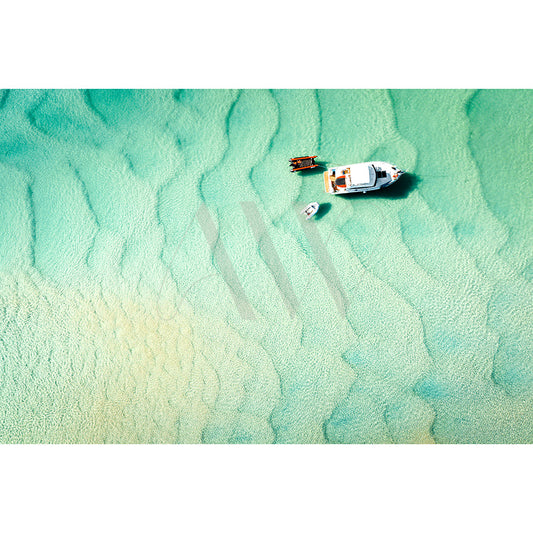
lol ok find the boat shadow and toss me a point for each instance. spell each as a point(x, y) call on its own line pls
point(402, 189)
point(320, 169)
point(323, 210)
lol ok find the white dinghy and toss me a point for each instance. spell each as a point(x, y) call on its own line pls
point(310, 210)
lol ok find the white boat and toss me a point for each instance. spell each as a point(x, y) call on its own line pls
point(310, 210)
point(360, 177)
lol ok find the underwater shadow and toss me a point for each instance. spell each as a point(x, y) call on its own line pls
point(402, 188)
point(322, 166)
point(323, 210)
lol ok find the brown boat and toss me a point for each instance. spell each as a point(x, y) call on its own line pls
point(303, 163)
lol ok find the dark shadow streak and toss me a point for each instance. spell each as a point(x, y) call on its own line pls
point(322, 166)
point(4, 93)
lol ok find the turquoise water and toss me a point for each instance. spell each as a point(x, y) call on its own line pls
point(157, 284)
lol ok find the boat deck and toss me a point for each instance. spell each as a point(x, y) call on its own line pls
point(327, 182)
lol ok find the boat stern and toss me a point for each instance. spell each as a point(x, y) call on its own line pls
point(327, 183)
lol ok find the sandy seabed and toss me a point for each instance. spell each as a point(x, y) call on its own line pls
point(157, 284)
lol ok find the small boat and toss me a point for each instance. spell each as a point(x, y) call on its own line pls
point(303, 163)
point(361, 177)
point(310, 210)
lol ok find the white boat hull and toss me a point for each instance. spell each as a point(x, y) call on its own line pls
point(360, 177)
point(310, 210)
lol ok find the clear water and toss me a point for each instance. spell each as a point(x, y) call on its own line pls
point(158, 285)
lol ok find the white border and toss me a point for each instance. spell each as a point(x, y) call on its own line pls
point(279, 43)
point(274, 44)
point(265, 488)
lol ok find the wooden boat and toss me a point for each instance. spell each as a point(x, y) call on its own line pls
point(303, 163)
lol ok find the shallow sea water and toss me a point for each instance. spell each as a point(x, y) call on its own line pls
point(157, 283)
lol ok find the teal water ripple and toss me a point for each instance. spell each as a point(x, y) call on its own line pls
point(117, 324)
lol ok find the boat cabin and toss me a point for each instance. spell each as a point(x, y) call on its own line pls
point(353, 176)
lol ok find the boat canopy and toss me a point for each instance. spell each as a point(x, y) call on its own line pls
point(362, 175)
